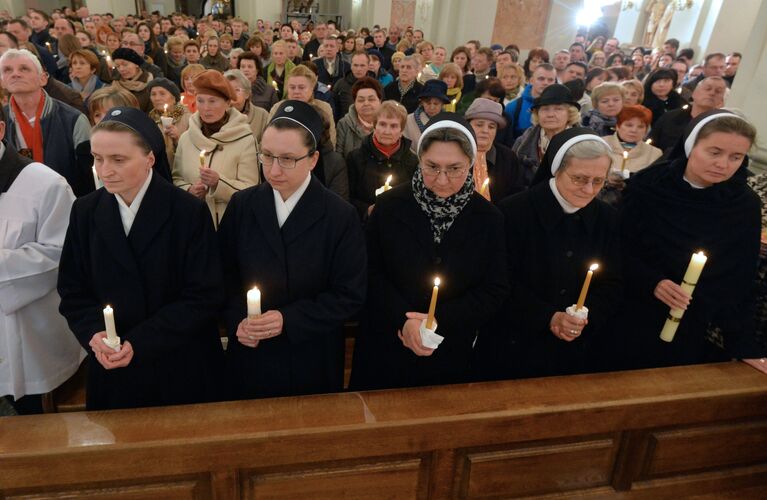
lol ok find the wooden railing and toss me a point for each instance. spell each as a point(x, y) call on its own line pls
point(676, 432)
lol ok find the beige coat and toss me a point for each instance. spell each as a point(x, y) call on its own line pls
point(258, 118)
point(412, 131)
point(232, 154)
point(639, 157)
point(327, 113)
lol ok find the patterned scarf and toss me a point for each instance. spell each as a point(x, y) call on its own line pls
point(441, 212)
point(418, 114)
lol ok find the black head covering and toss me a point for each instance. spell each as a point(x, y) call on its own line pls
point(302, 114)
point(555, 94)
point(167, 85)
point(558, 146)
point(139, 122)
point(129, 55)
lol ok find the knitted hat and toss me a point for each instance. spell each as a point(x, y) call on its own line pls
point(167, 85)
point(486, 109)
point(129, 55)
point(212, 82)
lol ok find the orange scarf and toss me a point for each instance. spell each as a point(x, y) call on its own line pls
point(480, 176)
point(33, 136)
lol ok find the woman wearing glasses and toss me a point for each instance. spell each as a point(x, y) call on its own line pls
point(303, 247)
point(216, 156)
point(436, 225)
point(554, 232)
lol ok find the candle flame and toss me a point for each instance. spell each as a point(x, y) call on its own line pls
point(485, 184)
point(388, 180)
point(648, 141)
point(593, 267)
point(202, 153)
point(679, 90)
point(701, 254)
point(625, 155)
point(437, 281)
point(108, 308)
point(454, 101)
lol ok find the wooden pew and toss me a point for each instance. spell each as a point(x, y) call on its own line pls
point(693, 432)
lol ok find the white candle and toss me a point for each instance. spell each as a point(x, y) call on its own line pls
point(690, 280)
point(254, 302)
point(96, 181)
point(433, 305)
point(385, 187)
point(202, 159)
point(109, 323)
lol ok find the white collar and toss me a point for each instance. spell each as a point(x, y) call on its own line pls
point(567, 207)
point(284, 208)
point(128, 212)
point(692, 184)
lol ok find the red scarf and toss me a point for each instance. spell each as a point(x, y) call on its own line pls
point(388, 151)
point(33, 136)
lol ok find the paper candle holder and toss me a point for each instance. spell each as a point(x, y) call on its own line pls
point(429, 337)
point(112, 344)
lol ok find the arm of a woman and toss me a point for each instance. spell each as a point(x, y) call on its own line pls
point(246, 173)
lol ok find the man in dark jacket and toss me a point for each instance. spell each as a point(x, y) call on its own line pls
point(405, 89)
point(343, 89)
point(58, 129)
point(331, 68)
point(312, 48)
point(379, 40)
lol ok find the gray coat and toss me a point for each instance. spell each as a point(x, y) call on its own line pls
point(349, 134)
point(526, 148)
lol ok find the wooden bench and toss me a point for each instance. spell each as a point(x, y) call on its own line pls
point(693, 432)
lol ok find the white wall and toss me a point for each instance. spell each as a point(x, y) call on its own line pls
point(561, 28)
point(627, 29)
point(250, 10)
point(732, 28)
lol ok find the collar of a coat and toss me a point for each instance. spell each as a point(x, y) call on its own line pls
point(11, 165)
point(551, 213)
point(380, 157)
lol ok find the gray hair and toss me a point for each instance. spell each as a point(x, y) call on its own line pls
point(446, 135)
point(235, 75)
point(22, 53)
point(236, 52)
point(585, 150)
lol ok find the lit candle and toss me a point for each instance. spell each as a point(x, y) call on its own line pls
point(109, 323)
point(202, 159)
point(648, 141)
point(274, 84)
point(485, 188)
point(311, 56)
point(329, 86)
point(96, 181)
point(48, 46)
point(254, 302)
point(165, 109)
point(585, 289)
point(685, 106)
point(679, 90)
point(433, 305)
point(689, 282)
point(623, 164)
point(385, 187)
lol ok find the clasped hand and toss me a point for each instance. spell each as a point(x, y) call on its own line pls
point(410, 335)
point(566, 327)
point(672, 295)
point(252, 330)
point(108, 357)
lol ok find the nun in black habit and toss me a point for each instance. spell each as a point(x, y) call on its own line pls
point(434, 226)
point(149, 251)
point(554, 232)
point(303, 247)
point(697, 200)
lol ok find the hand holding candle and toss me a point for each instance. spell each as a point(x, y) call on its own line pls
point(585, 289)
point(690, 280)
point(112, 340)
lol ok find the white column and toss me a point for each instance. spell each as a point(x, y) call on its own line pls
point(731, 27)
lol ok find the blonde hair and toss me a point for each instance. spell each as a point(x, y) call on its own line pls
point(191, 70)
point(115, 96)
point(604, 89)
point(392, 109)
point(515, 68)
point(305, 72)
point(280, 44)
point(174, 41)
point(573, 116)
point(404, 45)
point(455, 70)
point(634, 85)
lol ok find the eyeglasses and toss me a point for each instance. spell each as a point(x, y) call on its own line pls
point(450, 172)
point(581, 181)
point(267, 160)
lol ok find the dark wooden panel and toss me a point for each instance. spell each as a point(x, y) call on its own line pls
point(168, 489)
point(398, 479)
point(706, 447)
point(537, 469)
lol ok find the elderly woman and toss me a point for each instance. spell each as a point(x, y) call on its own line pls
point(148, 251)
point(384, 153)
point(633, 124)
point(131, 77)
point(214, 59)
point(696, 201)
point(437, 213)
point(188, 74)
point(257, 117)
point(216, 157)
point(553, 111)
point(554, 232)
point(431, 99)
point(497, 172)
point(659, 93)
point(303, 247)
point(357, 124)
point(633, 92)
point(451, 74)
point(262, 95)
point(83, 65)
point(598, 59)
point(166, 97)
point(607, 102)
point(234, 58)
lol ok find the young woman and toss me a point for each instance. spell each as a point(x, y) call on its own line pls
point(148, 251)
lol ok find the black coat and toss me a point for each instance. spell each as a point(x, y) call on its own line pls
point(403, 261)
point(312, 271)
point(549, 253)
point(331, 171)
point(663, 222)
point(409, 99)
point(658, 107)
point(368, 169)
point(506, 175)
point(669, 128)
point(165, 285)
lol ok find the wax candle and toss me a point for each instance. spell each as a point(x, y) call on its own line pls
point(690, 280)
point(585, 289)
point(96, 181)
point(274, 84)
point(485, 187)
point(254, 302)
point(385, 187)
point(433, 305)
point(648, 141)
point(109, 323)
point(202, 159)
point(623, 163)
point(165, 109)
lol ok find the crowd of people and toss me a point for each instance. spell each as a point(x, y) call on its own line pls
point(154, 170)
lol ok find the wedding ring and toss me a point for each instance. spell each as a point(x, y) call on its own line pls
point(250, 337)
point(573, 331)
